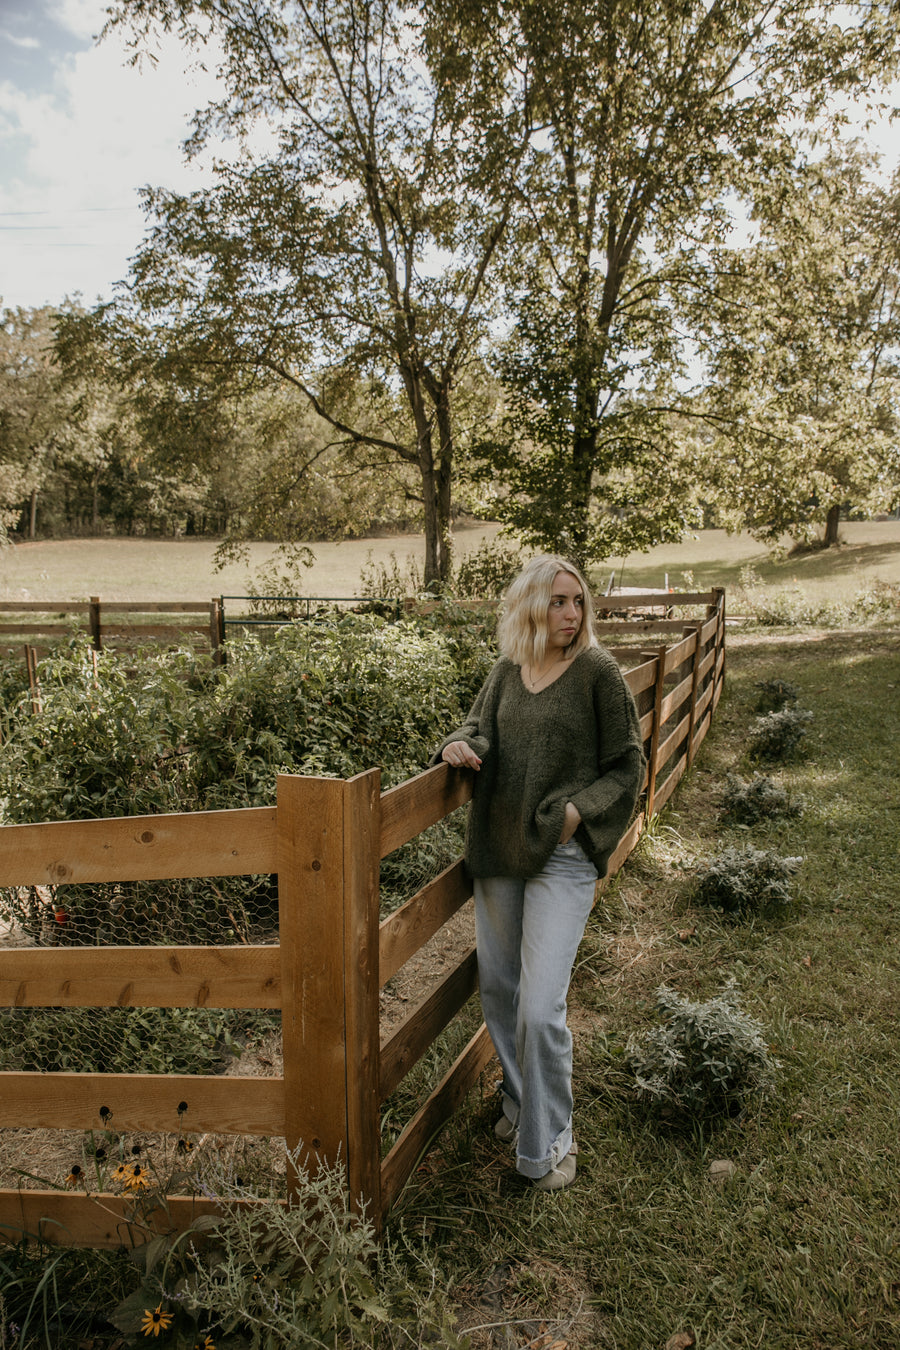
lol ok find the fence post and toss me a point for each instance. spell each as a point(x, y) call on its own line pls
point(660, 656)
point(329, 836)
point(362, 856)
point(695, 684)
point(310, 852)
point(94, 621)
point(216, 635)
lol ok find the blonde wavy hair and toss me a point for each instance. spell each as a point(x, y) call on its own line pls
point(522, 631)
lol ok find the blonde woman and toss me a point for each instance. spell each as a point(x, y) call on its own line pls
point(554, 738)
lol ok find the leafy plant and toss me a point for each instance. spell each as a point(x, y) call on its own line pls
point(774, 694)
point(706, 1059)
point(779, 735)
point(760, 799)
point(741, 880)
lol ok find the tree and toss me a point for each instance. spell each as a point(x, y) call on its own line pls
point(656, 118)
point(35, 405)
point(361, 244)
point(802, 343)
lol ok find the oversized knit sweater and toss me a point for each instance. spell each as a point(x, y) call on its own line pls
point(576, 741)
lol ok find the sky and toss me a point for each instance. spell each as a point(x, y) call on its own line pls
point(80, 132)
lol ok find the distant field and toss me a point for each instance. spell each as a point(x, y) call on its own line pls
point(182, 569)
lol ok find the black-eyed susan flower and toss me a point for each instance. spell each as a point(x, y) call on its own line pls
point(155, 1321)
point(75, 1177)
point(138, 1181)
point(123, 1172)
point(183, 1146)
point(205, 1344)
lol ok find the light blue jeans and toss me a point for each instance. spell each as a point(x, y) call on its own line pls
point(528, 931)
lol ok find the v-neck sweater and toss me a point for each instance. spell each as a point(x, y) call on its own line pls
point(576, 740)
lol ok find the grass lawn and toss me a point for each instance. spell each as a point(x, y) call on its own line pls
point(182, 569)
point(800, 1248)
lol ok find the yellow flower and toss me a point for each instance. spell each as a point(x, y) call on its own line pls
point(123, 1172)
point(75, 1177)
point(155, 1320)
point(205, 1344)
point(138, 1180)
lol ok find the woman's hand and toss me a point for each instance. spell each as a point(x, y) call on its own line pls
point(460, 755)
point(570, 823)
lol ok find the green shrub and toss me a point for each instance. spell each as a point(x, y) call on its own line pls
point(779, 735)
point(486, 572)
point(707, 1059)
point(760, 799)
point(774, 694)
point(278, 1278)
point(741, 880)
point(120, 1040)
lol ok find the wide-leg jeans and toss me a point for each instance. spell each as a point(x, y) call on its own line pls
point(528, 931)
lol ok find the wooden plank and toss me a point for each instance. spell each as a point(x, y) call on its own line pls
point(139, 848)
point(709, 628)
point(136, 631)
point(680, 652)
point(706, 663)
point(672, 741)
point(640, 626)
point(26, 628)
point(362, 840)
point(670, 599)
point(69, 1219)
point(409, 808)
point(139, 1101)
point(702, 728)
point(641, 677)
point(140, 977)
point(675, 697)
point(664, 793)
point(311, 927)
point(624, 847)
point(704, 699)
point(646, 723)
point(405, 931)
point(61, 608)
point(427, 1020)
point(433, 1114)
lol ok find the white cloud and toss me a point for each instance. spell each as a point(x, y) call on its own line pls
point(68, 199)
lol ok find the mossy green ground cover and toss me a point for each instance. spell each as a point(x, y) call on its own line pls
point(799, 1248)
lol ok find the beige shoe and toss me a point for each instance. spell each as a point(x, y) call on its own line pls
point(506, 1130)
point(560, 1176)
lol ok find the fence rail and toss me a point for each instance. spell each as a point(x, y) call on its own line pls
point(324, 839)
point(111, 622)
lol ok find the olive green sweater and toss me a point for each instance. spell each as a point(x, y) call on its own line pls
point(576, 741)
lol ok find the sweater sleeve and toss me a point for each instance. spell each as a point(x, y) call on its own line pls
point(606, 805)
point(473, 729)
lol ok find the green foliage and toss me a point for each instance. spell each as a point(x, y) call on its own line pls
point(486, 572)
point(760, 799)
point(779, 735)
point(774, 694)
point(707, 1059)
point(120, 1040)
point(744, 880)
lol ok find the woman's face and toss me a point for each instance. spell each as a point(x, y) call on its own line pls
point(565, 613)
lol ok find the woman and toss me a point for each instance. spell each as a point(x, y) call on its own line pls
point(555, 741)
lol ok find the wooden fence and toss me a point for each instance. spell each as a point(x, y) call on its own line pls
point(324, 838)
point(111, 622)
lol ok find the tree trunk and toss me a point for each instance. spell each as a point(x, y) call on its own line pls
point(832, 525)
point(95, 502)
point(32, 515)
